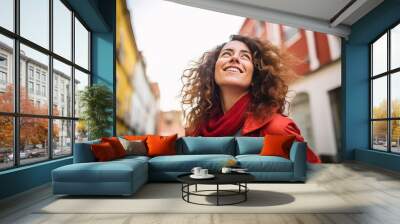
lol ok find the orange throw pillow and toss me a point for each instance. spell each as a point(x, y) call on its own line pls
point(116, 145)
point(103, 151)
point(277, 145)
point(161, 145)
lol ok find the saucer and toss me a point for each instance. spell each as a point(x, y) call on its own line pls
point(240, 171)
point(208, 176)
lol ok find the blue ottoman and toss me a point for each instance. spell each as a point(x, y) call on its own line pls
point(118, 177)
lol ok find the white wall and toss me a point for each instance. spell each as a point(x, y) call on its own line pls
point(317, 85)
point(144, 104)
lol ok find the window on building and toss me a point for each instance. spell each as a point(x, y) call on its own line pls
point(30, 72)
point(385, 94)
point(43, 90)
point(3, 78)
point(3, 71)
point(290, 34)
point(38, 89)
point(3, 60)
point(34, 75)
point(37, 74)
point(30, 87)
point(62, 74)
point(81, 81)
point(6, 84)
point(121, 47)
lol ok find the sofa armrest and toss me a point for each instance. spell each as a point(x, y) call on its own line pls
point(298, 157)
point(83, 152)
point(179, 146)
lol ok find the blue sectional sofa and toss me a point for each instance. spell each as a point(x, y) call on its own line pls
point(125, 176)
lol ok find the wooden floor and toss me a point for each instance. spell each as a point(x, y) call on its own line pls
point(377, 188)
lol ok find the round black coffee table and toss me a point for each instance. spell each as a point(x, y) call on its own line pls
point(238, 179)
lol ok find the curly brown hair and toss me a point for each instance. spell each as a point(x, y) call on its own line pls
point(201, 95)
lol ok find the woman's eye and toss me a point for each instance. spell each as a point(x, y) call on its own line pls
point(246, 56)
point(225, 53)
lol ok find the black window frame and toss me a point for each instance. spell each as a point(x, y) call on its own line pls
point(16, 115)
point(388, 74)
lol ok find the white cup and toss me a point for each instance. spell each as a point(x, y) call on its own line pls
point(203, 172)
point(226, 170)
point(196, 170)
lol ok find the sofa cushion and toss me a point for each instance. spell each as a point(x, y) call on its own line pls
point(111, 171)
point(208, 145)
point(185, 163)
point(131, 158)
point(257, 163)
point(249, 145)
point(83, 152)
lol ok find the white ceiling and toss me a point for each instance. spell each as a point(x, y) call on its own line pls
point(316, 15)
point(321, 9)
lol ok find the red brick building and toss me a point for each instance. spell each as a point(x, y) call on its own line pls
point(315, 99)
point(314, 49)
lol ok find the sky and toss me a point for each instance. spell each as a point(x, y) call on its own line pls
point(380, 65)
point(171, 35)
point(35, 27)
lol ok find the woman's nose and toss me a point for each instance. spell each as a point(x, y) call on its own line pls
point(235, 58)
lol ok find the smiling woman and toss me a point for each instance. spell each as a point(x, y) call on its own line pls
point(239, 89)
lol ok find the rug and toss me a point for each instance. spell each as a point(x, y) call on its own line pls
point(166, 198)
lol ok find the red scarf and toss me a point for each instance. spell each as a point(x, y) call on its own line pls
point(227, 124)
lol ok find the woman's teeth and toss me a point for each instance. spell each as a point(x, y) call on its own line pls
point(233, 70)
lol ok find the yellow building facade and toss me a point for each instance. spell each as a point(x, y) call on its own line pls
point(137, 101)
point(127, 57)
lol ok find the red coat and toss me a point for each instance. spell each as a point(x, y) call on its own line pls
point(277, 124)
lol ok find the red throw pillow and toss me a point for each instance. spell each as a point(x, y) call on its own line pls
point(116, 145)
point(277, 145)
point(161, 145)
point(103, 151)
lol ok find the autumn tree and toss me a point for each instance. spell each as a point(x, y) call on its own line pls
point(395, 123)
point(380, 127)
point(6, 122)
point(33, 131)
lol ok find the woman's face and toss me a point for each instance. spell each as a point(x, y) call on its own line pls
point(234, 67)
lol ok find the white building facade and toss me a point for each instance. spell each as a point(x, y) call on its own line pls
point(34, 81)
